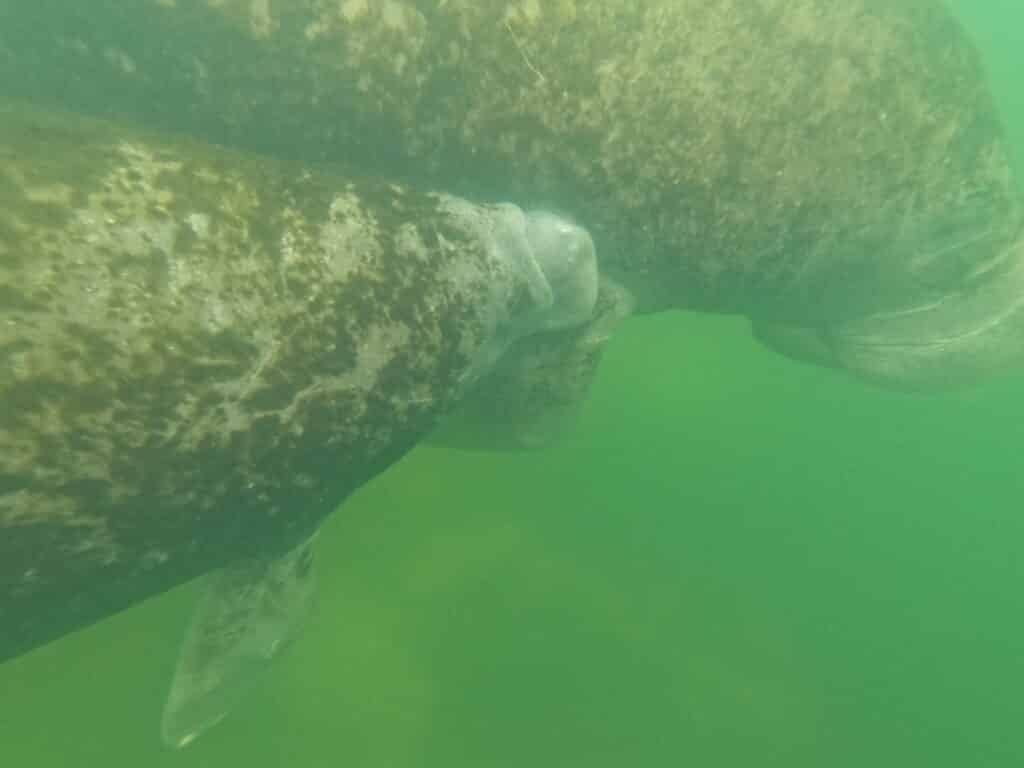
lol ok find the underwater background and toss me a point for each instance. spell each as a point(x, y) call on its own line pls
point(734, 560)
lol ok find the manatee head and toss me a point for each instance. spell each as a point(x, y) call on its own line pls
point(565, 253)
point(545, 276)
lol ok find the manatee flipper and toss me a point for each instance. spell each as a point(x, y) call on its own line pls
point(248, 612)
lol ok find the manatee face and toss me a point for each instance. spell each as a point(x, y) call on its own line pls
point(551, 257)
point(565, 253)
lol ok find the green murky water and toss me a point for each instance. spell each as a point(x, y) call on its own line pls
point(735, 561)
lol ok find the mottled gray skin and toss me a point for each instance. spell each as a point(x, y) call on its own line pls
point(534, 394)
point(789, 160)
point(806, 163)
point(203, 353)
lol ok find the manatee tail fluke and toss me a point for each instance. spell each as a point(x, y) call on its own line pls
point(248, 613)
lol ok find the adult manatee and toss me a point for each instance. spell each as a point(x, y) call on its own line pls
point(202, 353)
point(833, 170)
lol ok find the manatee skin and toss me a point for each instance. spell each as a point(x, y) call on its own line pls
point(948, 341)
point(566, 255)
point(771, 158)
point(535, 393)
point(202, 352)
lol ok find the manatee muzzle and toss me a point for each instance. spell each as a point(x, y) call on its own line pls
point(550, 273)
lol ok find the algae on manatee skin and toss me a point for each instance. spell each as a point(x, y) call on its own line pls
point(210, 350)
point(728, 155)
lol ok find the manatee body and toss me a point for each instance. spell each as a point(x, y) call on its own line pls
point(205, 352)
point(833, 170)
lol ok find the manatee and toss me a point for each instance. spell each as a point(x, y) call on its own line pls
point(835, 172)
point(204, 352)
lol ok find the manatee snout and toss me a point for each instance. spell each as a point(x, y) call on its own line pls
point(565, 253)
